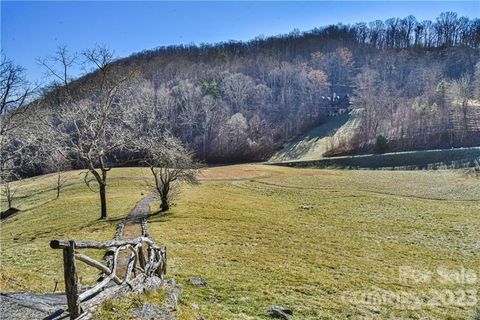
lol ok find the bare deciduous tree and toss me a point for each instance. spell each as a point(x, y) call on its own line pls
point(476, 82)
point(15, 93)
point(58, 67)
point(58, 164)
point(367, 98)
point(187, 97)
point(234, 135)
point(237, 88)
point(8, 192)
point(461, 93)
point(169, 161)
point(96, 127)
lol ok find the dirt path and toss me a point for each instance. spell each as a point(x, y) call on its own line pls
point(132, 222)
point(133, 229)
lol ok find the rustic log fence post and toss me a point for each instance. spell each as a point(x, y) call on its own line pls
point(164, 254)
point(71, 280)
point(146, 257)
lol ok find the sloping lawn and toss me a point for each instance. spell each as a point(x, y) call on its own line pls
point(243, 231)
point(27, 262)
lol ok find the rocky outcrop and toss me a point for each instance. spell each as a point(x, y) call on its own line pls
point(52, 306)
point(152, 312)
point(280, 312)
point(197, 281)
point(31, 306)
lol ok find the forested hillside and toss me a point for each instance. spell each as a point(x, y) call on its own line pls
point(414, 82)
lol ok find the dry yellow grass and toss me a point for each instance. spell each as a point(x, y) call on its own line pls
point(242, 230)
point(27, 262)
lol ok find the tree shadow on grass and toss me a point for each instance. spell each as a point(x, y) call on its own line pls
point(8, 213)
point(35, 206)
point(160, 216)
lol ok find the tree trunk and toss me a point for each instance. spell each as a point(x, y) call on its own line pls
point(58, 184)
point(164, 205)
point(9, 201)
point(103, 201)
point(204, 145)
point(8, 194)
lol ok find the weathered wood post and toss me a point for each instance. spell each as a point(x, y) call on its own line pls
point(71, 280)
point(164, 253)
point(152, 260)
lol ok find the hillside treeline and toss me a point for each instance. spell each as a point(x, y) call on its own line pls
point(416, 82)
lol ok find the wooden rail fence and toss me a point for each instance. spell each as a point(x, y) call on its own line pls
point(146, 259)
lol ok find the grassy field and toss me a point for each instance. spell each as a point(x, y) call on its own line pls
point(242, 230)
point(27, 262)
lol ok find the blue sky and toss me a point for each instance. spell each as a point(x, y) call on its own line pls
point(34, 29)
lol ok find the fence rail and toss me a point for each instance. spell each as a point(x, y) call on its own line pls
point(145, 259)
